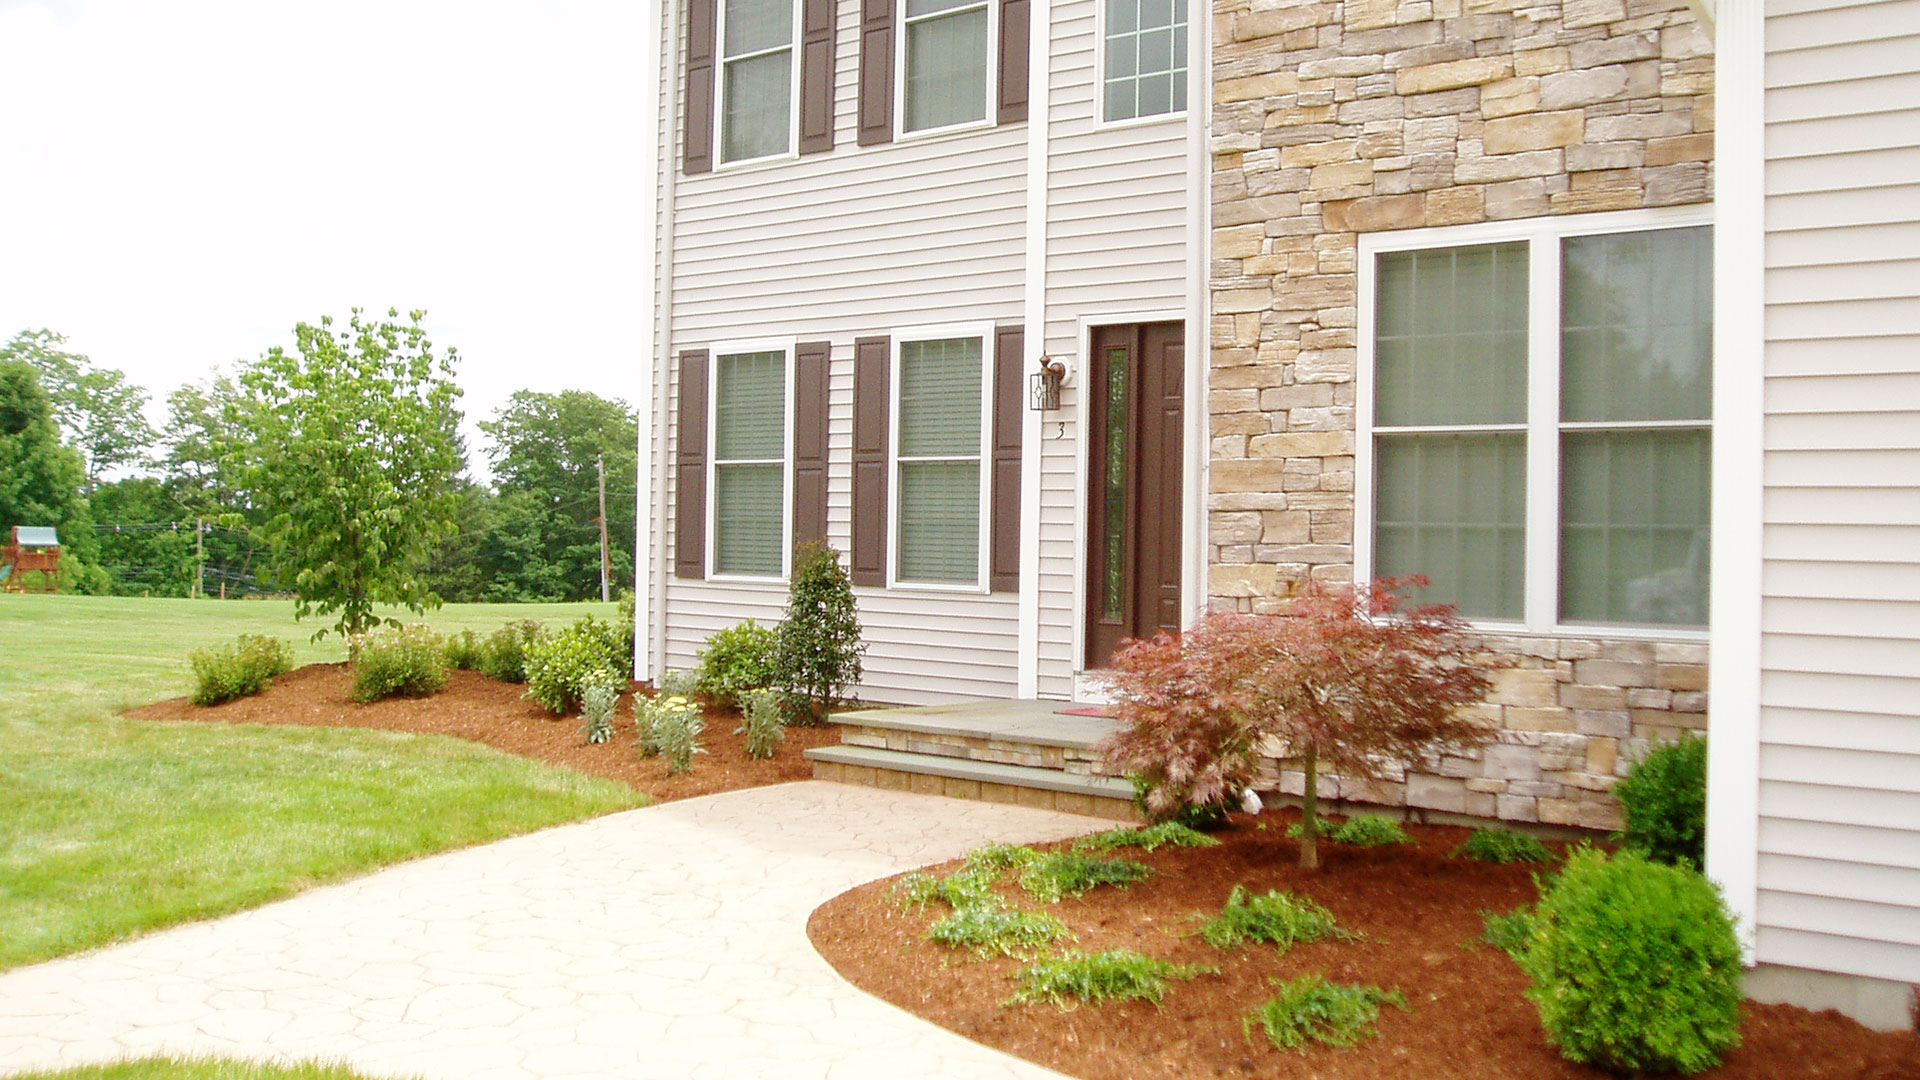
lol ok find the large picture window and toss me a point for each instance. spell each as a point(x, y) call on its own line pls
point(1145, 58)
point(946, 63)
point(756, 78)
point(938, 453)
point(750, 463)
point(1539, 421)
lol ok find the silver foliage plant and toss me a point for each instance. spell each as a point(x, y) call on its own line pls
point(597, 703)
point(763, 722)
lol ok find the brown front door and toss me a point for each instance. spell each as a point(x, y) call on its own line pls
point(1135, 385)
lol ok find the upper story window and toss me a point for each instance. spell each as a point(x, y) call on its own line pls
point(756, 78)
point(1540, 421)
point(945, 63)
point(938, 453)
point(749, 463)
point(1145, 58)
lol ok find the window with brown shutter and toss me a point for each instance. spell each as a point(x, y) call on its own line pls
point(697, 134)
point(810, 360)
point(871, 358)
point(690, 469)
point(876, 72)
point(816, 75)
point(1009, 413)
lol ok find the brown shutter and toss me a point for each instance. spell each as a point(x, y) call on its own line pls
point(816, 76)
point(1003, 562)
point(690, 469)
point(698, 135)
point(810, 441)
point(1016, 26)
point(871, 357)
point(876, 72)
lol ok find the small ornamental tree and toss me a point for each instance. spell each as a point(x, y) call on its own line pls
point(1349, 679)
point(817, 648)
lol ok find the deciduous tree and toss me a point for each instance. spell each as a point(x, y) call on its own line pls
point(354, 462)
point(98, 408)
point(1348, 679)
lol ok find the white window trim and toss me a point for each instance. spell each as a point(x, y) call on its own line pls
point(1541, 589)
point(1100, 120)
point(714, 353)
point(983, 331)
point(720, 61)
point(988, 117)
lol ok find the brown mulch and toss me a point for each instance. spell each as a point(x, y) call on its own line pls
point(1418, 909)
point(1419, 912)
point(474, 707)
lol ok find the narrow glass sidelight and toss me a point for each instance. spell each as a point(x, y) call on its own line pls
point(1114, 485)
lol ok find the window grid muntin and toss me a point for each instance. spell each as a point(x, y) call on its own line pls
point(1126, 36)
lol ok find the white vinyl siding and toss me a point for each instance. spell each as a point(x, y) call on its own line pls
point(1839, 797)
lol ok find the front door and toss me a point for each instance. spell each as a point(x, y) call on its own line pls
point(1136, 381)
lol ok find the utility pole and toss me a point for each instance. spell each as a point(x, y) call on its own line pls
point(606, 568)
point(199, 557)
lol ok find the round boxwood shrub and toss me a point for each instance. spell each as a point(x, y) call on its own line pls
point(1635, 965)
point(561, 665)
point(392, 660)
point(1664, 798)
point(736, 661)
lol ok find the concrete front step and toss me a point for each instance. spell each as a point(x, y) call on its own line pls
point(988, 781)
point(1030, 733)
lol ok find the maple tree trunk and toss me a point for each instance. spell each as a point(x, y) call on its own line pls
point(1310, 815)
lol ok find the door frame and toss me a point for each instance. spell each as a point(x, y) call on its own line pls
point(1193, 476)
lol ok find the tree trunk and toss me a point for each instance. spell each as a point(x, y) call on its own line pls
point(1310, 815)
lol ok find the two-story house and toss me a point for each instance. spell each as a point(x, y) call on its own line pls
point(1338, 288)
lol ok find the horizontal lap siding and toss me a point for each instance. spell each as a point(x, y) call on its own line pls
point(1840, 685)
point(1116, 244)
point(859, 241)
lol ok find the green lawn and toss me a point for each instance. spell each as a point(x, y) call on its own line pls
point(172, 1068)
point(112, 827)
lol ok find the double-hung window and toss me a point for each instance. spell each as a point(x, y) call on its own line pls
point(1537, 401)
point(750, 412)
point(1144, 72)
point(947, 63)
point(939, 449)
point(756, 78)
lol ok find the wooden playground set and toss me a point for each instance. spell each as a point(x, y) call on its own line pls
point(35, 549)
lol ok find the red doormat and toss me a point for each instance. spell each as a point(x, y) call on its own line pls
point(1089, 710)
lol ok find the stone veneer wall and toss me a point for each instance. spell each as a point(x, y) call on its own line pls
point(1334, 119)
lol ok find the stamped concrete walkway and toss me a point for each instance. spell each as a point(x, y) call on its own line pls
point(664, 942)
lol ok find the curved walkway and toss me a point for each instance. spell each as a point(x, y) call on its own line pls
point(664, 942)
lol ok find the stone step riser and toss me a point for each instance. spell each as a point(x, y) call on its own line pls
point(1080, 761)
point(984, 791)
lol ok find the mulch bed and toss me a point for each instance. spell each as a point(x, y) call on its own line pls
point(1418, 909)
point(1419, 912)
point(474, 707)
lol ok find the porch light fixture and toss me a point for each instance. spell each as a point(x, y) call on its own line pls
point(1046, 384)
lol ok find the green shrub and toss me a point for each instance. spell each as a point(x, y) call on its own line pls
point(625, 624)
point(1058, 874)
point(1635, 965)
point(597, 703)
point(1311, 1009)
point(1278, 918)
point(1361, 830)
point(989, 930)
point(503, 656)
point(675, 682)
point(736, 660)
point(559, 665)
point(817, 659)
point(1502, 846)
point(1664, 797)
point(1510, 933)
point(1148, 839)
point(1116, 973)
point(403, 661)
point(763, 722)
point(245, 667)
point(464, 650)
point(669, 727)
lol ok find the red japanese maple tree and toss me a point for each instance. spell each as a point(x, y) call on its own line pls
point(1349, 679)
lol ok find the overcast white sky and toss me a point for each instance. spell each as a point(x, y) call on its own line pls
point(181, 182)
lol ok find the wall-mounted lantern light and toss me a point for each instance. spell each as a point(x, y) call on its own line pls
point(1046, 384)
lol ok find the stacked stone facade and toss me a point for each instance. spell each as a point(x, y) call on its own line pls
point(1337, 119)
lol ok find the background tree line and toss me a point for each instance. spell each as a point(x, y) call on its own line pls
point(213, 496)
